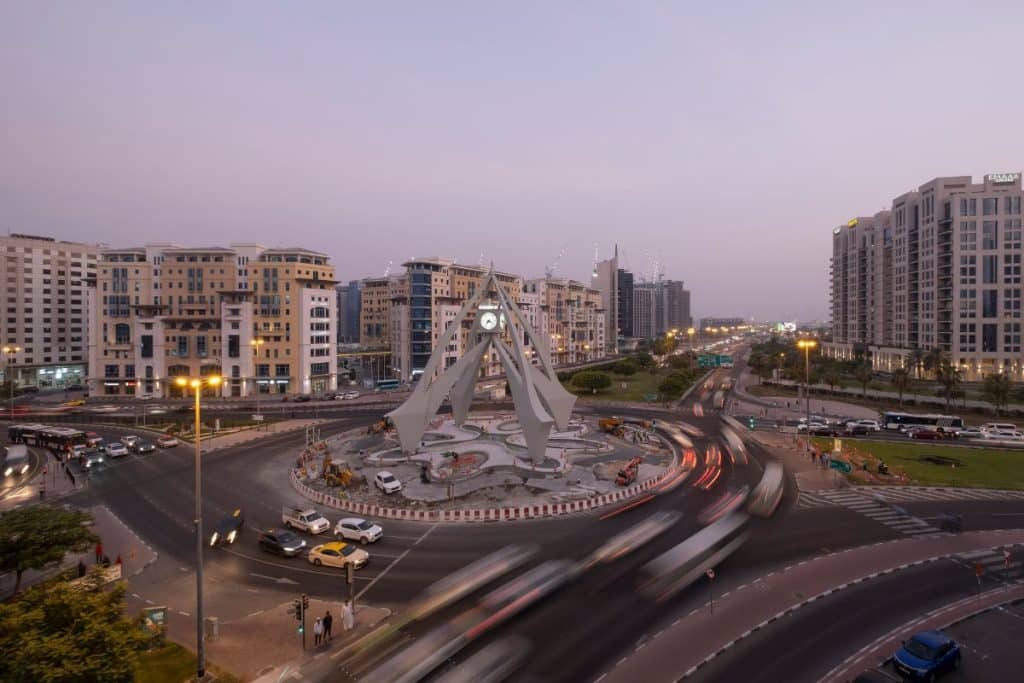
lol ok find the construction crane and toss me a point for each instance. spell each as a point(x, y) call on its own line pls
point(387, 271)
point(549, 271)
point(594, 271)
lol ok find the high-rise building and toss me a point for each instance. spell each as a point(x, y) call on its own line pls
point(941, 269)
point(263, 319)
point(348, 303)
point(645, 321)
point(46, 320)
point(674, 308)
point(376, 297)
point(625, 304)
point(605, 279)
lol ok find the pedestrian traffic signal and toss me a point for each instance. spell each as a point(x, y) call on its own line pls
point(305, 602)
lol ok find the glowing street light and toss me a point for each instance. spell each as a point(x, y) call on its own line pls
point(196, 385)
point(807, 345)
point(10, 351)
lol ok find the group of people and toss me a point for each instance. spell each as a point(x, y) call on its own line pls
point(322, 625)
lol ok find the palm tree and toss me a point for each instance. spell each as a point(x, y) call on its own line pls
point(949, 377)
point(901, 380)
point(996, 390)
point(934, 360)
point(915, 359)
point(864, 375)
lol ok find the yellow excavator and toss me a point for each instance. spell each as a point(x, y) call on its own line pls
point(337, 473)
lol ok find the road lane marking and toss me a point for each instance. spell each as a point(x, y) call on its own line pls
point(396, 561)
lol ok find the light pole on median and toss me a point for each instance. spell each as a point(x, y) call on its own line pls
point(9, 351)
point(807, 345)
point(256, 343)
point(197, 387)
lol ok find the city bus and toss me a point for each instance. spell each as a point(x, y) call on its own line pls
point(388, 384)
point(900, 421)
point(54, 438)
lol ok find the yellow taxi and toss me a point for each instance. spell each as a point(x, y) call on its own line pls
point(338, 554)
point(74, 403)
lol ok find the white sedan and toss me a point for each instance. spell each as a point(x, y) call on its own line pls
point(116, 449)
point(387, 482)
point(358, 529)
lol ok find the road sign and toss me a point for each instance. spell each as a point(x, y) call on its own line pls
point(840, 465)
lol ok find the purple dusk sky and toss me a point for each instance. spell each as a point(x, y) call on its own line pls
point(724, 140)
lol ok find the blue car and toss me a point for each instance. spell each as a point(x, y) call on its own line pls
point(926, 656)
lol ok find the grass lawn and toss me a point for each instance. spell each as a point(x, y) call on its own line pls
point(172, 664)
point(636, 386)
point(974, 467)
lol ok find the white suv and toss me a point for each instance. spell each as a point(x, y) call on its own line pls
point(387, 482)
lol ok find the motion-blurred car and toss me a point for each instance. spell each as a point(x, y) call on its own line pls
point(74, 403)
point(338, 554)
point(926, 434)
point(228, 529)
point(167, 442)
point(129, 440)
point(349, 395)
point(969, 433)
point(926, 656)
point(92, 459)
point(358, 529)
point(141, 446)
point(281, 542)
point(303, 398)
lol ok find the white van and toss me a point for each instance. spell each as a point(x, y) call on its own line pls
point(999, 430)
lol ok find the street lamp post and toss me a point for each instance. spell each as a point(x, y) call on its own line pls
point(10, 351)
point(807, 345)
point(255, 382)
point(197, 386)
point(690, 332)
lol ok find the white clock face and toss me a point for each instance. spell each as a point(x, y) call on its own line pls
point(488, 320)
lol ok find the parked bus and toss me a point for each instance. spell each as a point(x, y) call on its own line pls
point(900, 421)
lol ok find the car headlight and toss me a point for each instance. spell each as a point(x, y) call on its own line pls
point(8, 472)
point(213, 539)
point(231, 537)
point(24, 469)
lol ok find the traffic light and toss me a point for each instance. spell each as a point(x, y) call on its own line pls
point(751, 423)
point(305, 602)
point(297, 609)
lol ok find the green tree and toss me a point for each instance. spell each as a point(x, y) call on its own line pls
point(864, 375)
point(593, 380)
point(996, 390)
point(673, 386)
point(901, 380)
point(645, 361)
point(832, 376)
point(664, 345)
point(915, 359)
point(948, 376)
point(934, 359)
point(626, 367)
point(40, 536)
point(59, 632)
point(680, 362)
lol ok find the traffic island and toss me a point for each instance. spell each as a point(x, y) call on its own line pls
point(480, 471)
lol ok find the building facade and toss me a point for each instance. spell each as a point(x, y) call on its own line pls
point(675, 307)
point(645, 319)
point(624, 314)
point(46, 321)
point(605, 279)
point(940, 269)
point(263, 319)
point(715, 323)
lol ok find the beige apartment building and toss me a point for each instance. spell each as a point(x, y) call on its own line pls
point(940, 269)
point(45, 323)
point(263, 319)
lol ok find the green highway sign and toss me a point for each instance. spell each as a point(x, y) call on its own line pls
point(711, 360)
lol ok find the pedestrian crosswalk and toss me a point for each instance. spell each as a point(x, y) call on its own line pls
point(1002, 564)
point(895, 518)
point(910, 494)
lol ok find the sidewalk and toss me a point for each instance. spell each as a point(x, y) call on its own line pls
point(809, 475)
point(699, 636)
point(262, 645)
point(117, 540)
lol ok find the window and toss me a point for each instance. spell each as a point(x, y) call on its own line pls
point(129, 371)
point(968, 235)
point(234, 346)
point(1011, 302)
point(110, 370)
point(320, 368)
point(1011, 337)
point(201, 346)
point(990, 206)
point(282, 370)
point(968, 270)
point(989, 337)
point(182, 347)
point(968, 303)
point(968, 207)
point(989, 234)
point(968, 337)
point(1011, 269)
point(1011, 233)
point(1011, 205)
point(989, 268)
point(989, 303)
point(263, 370)
point(146, 350)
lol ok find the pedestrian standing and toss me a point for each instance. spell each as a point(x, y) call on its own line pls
point(81, 568)
point(318, 631)
point(328, 622)
point(99, 552)
point(348, 617)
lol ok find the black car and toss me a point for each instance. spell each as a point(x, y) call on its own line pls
point(282, 542)
point(228, 529)
point(141, 446)
point(856, 430)
point(303, 398)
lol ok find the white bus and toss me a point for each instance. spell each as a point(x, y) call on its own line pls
point(900, 421)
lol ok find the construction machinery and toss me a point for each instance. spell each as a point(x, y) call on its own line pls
point(381, 425)
point(337, 473)
point(610, 424)
point(627, 475)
